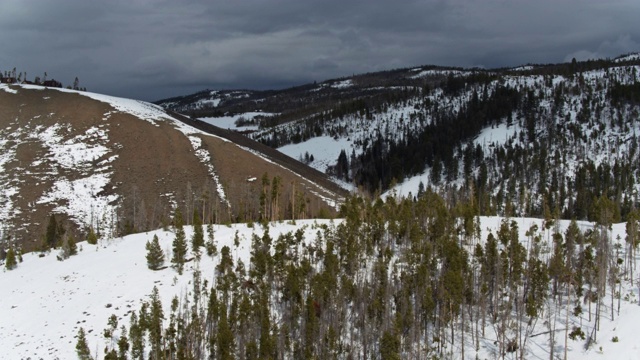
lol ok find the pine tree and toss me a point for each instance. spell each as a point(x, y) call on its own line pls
point(10, 261)
point(154, 325)
point(212, 250)
point(225, 337)
point(179, 244)
point(71, 244)
point(82, 347)
point(136, 333)
point(52, 232)
point(155, 255)
point(123, 344)
point(197, 240)
point(92, 238)
point(389, 346)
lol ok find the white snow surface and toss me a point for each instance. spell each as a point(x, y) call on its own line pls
point(6, 88)
point(523, 68)
point(342, 84)
point(497, 135)
point(45, 301)
point(629, 57)
point(325, 150)
point(205, 158)
point(229, 122)
point(436, 72)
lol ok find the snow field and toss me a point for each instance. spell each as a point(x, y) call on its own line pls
point(45, 301)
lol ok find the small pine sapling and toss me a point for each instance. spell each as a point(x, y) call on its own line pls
point(155, 255)
point(92, 238)
point(10, 262)
point(82, 347)
point(211, 247)
point(197, 240)
point(179, 244)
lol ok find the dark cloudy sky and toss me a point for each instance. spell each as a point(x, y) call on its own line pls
point(151, 49)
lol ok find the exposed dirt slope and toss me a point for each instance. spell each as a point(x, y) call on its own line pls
point(97, 164)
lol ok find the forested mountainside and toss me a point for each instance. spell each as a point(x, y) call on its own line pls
point(94, 164)
point(525, 140)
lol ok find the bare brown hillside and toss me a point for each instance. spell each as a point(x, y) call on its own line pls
point(121, 171)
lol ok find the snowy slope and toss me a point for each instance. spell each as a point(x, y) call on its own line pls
point(45, 301)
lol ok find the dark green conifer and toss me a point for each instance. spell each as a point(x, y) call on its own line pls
point(123, 344)
point(179, 244)
point(155, 255)
point(225, 338)
point(156, 316)
point(10, 261)
point(136, 333)
point(92, 238)
point(197, 240)
point(212, 250)
point(389, 346)
point(82, 347)
point(71, 244)
point(51, 237)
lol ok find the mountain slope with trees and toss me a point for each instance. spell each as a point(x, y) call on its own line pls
point(542, 138)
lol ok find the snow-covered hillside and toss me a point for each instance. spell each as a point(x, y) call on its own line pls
point(45, 301)
point(526, 137)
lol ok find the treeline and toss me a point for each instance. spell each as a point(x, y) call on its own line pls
point(268, 198)
point(15, 77)
point(401, 278)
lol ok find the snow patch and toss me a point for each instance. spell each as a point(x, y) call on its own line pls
point(6, 88)
point(205, 158)
point(81, 200)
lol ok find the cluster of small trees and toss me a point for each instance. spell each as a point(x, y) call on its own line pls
point(155, 255)
point(13, 76)
point(306, 158)
point(401, 278)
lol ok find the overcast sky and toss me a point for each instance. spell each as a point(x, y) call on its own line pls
point(152, 49)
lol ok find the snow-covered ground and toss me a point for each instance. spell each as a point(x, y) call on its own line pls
point(44, 301)
point(325, 150)
point(629, 57)
point(437, 72)
point(229, 122)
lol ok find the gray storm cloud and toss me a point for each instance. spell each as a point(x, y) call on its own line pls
point(154, 49)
